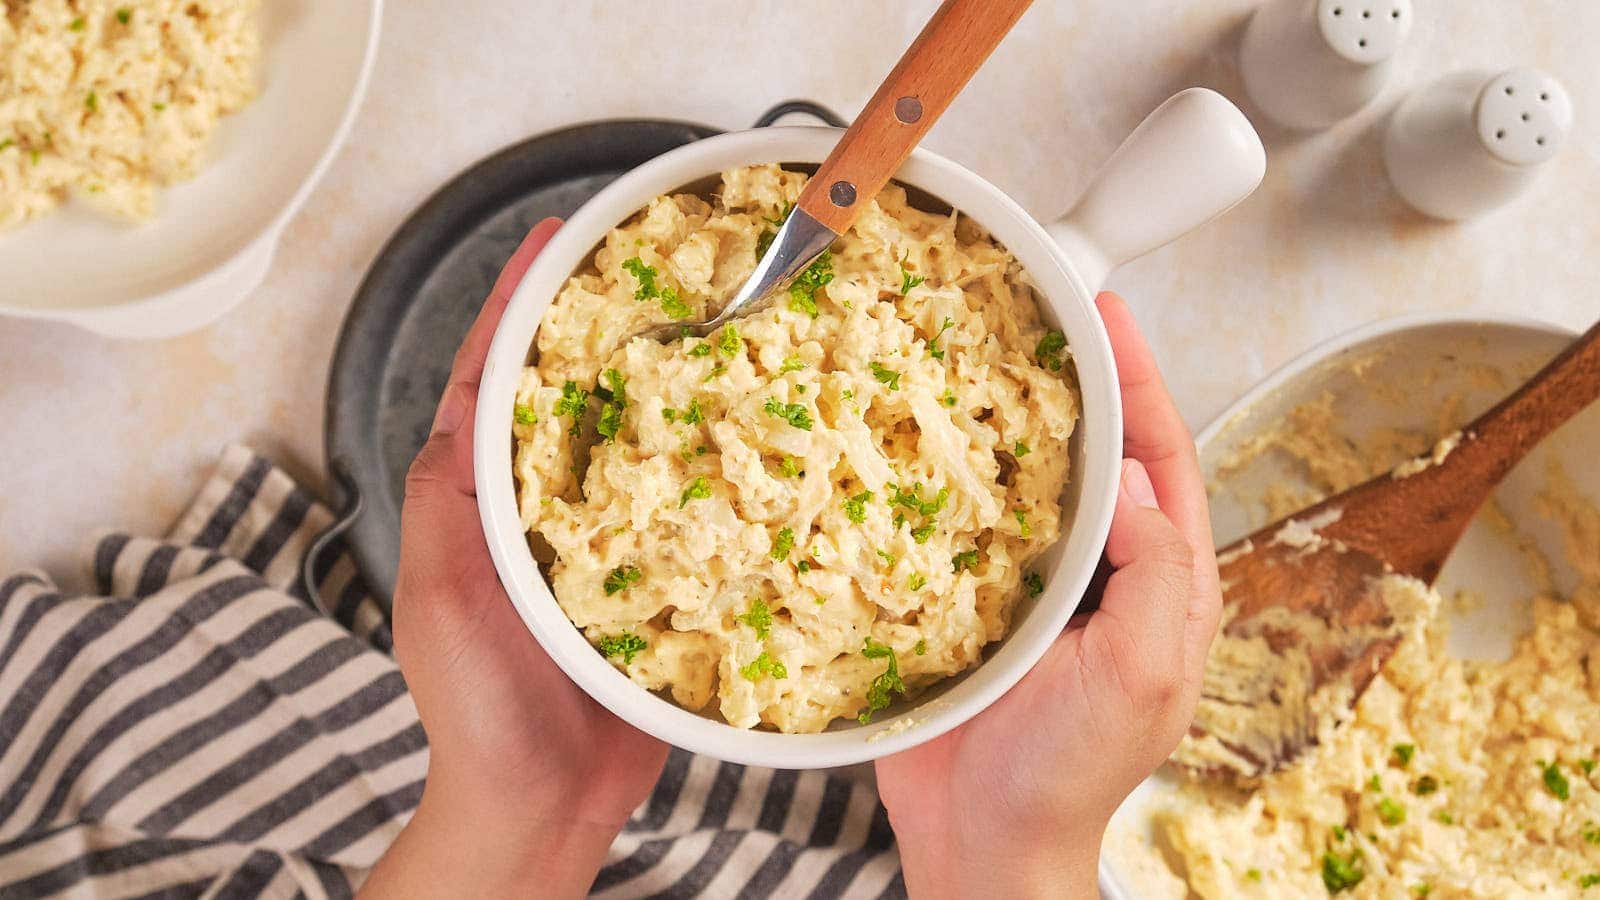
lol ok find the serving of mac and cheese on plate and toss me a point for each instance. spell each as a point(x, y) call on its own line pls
point(818, 508)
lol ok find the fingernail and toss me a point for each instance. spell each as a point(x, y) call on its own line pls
point(452, 410)
point(1136, 484)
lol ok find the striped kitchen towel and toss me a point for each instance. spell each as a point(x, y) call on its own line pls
point(200, 730)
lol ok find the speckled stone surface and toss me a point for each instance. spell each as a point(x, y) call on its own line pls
point(101, 433)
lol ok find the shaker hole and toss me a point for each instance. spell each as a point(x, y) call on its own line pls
point(1395, 14)
point(1544, 95)
point(1510, 90)
point(1366, 14)
point(1361, 43)
point(1500, 134)
point(1539, 140)
point(1526, 117)
point(1338, 10)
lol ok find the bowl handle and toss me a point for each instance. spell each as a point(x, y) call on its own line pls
point(1187, 163)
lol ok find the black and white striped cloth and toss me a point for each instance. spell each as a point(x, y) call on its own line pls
point(200, 730)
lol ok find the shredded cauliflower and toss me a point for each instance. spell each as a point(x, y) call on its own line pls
point(872, 462)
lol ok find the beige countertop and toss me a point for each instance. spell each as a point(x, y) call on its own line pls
point(110, 434)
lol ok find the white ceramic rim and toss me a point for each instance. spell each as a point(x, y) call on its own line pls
point(236, 277)
point(1066, 299)
point(1111, 883)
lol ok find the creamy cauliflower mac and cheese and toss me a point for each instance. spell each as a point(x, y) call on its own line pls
point(105, 101)
point(820, 507)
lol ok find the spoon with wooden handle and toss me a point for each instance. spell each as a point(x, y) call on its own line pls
point(1307, 587)
point(933, 70)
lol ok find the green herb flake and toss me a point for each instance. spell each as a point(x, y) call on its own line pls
point(1342, 872)
point(1425, 785)
point(125, 15)
point(5, 144)
point(1024, 528)
point(1252, 874)
point(699, 489)
point(916, 581)
point(78, 24)
point(645, 275)
point(922, 647)
point(616, 399)
point(729, 342)
point(92, 101)
point(759, 616)
point(803, 292)
point(878, 692)
point(794, 413)
point(717, 371)
point(1048, 350)
point(1391, 812)
point(674, 306)
point(885, 376)
point(1375, 783)
point(1401, 755)
point(804, 566)
point(889, 559)
point(913, 501)
point(1033, 583)
point(626, 646)
point(790, 467)
point(764, 665)
point(158, 107)
point(908, 280)
point(1555, 782)
point(784, 543)
point(1588, 881)
point(701, 349)
point(574, 402)
point(693, 415)
point(922, 532)
point(1019, 450)
point(791, 364)
point(949, 398)
point(622, 578)
point(1422, 889)
point(934, 350)
point(856, 507)
point(1591, 832)
point(524, 415)
point(967, 559)
point(1587, 765)
point(1444, 816)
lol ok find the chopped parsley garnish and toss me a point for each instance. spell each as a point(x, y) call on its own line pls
point(967, 559)
point(1338, 832)
point(922, 532)
point(803, 292)
point(885, 376)
point(934, 350)
point(158, 107)
point(878, 692)
point(1019, 450)
point(789, 467)
point(1375, 783)
point(1422, 889)
point(1402, 754)
point(1049, 348)
point(913, 501)
point(626, 646)
point(922, 647)
point(1589, 880)
point(1591, 832)
point(716, 370)
point(1425, 785)
point(646, 276)
point(693, 415)
point(674, 306)
point(889, 559)
point(124, 15)
point(729, 341)
point(524, 415)
point(622, 578)
point(759, 615)
point(1022, 523)
point(701, 349)
point(1341, 873)
point(803, 565)
point(1444, 816)
point(856, 507)
point(800, 389)
point(1587, 765)
point(611, 411)
point(916, 581)
point(764, 665)
point(1391, 812)
point(1554, 781)
point(908, 280)
point(574, 402)
point(784, 543)
point(1253, 874)
point(699, 489)
point(768, 235)
point(92, 101)
point(795, 414)
point(78, 24)
point(791, 364)
point(1033, 583)
point(949, 398)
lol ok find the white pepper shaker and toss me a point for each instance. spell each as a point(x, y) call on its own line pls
point(1310, 63)
point(1471, 141)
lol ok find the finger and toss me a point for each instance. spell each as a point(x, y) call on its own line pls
point(1147, 599)
point(1153, 431)
point(474, 350)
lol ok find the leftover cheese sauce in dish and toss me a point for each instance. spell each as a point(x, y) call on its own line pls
point(106, 100)
point(820, 507)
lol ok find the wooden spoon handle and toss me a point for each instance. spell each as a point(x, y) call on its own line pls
point(937, 65)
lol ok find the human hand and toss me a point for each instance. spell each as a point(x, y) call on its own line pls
point(529, 779)
point(1014, 802)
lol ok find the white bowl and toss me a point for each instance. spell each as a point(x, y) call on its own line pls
point(1191, 160)
point(213, 238)
point(1401, 351)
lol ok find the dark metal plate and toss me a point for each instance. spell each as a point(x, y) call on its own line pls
point(421, 294)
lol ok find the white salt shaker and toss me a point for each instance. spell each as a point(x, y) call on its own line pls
point(1310, 63)
point(1471, 141)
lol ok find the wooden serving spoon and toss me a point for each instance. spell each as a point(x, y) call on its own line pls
point(933, 70)
point(1305, 585)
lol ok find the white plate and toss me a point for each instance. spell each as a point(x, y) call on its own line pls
point(1433, 358)
point(212, 239)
